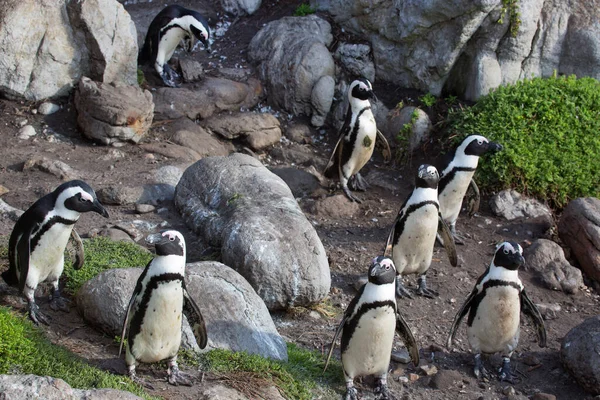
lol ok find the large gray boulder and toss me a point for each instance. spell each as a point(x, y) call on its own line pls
point(239, 206)
point(548, 260)
point(25, 387)
point(236, 318)
point(295, 65)
point(240, 7)
point(258, 130)
point(470, 47)
point(47, 46)
point(579, 354)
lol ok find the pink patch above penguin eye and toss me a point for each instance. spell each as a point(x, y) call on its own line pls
point(86, 196)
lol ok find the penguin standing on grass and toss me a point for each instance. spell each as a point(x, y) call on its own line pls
point(456, 175)
point(170, 26)
point(152, 325)
point(413, 234)
point(368, 328)
point(356, 140)
point(37, 243)
point(494, 308)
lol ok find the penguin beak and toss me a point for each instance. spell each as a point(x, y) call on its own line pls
point(377, 270)
point(520, 260)
point(495, 147)
point(97, 207)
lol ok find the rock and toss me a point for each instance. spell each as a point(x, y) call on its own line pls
point(337, 206)
point(531, 360)
point(548, 311)
point(446, 379)
point(579, 229)
point(55, 167)
point(401, 356)
point(191, 70)
point(3, 190)
point(47, 108)
point(109, 114)
point(428, 370)
point(299, 133)
point(26, 132)
point(144, 208)
point(236, 74)
point(221, 392)
point(209, 97)
point(240, 7)
point(292, 57)
point(321, 98)
point(23, 387)
point(169, 175)
point(543, 396)
point(548, 260)
point(236, 318)
point(259, 130)
point(237, 205)
point(301, 183)
point(579, 356)
point(170, 150)
point(356, 60)
point(297, 154)
point(193, 136)
point(511, 205)
point(48, 46)
point(119, 195)
point(157, 193)
point(9, 211)
point(116, 235)
point(419, 122)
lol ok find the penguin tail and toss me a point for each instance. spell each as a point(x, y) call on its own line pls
point(144, 54)
point(331, 172)
point(10, 277)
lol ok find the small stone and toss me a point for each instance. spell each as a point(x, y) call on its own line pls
point(144, 208)
point(413, 377)
point(401, 356)
point(531, 360)
point(428, 370)
point(548, 310)
point(26, 132)
point(543, 396)
point(22, 123)
point(3, 190)
point(47, 108)
point(314, 315)
point(509, 391)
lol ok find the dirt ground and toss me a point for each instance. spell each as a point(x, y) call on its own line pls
point(350, 242)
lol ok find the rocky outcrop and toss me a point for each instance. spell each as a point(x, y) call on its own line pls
point(548, 260)
point(579, 229)
point(296, 66)
point(511, 205)
point(418, 123)
point(258, 130)
point(48, 46)
point(113, 113)
point(236, 204)
point(579, 354)
point(240, 7)
point(470, 47)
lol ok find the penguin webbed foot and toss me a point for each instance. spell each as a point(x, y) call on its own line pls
point(170, 77)
point(142, 382)
point(37, 316)
point(401, 291)
point(423, 290)
point(351, 394)
point(352, 197)
point(382, 393)
point(176, 377)
point(57, 302)
point(505, 374)
point(479, 370)
point(357, 182)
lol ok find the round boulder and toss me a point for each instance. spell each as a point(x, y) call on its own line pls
point(548, 260)
point(580, 356)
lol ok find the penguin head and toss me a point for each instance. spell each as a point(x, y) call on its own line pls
point(199, 28)
point(360, 89)
point(427, 177)
point(79, 197)
point(476, 145)
point(509, 255)
point(382, 271)
point(167, 243)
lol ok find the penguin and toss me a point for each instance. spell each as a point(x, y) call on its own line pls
point(368, 328)
point(172, 25)
point(413, 234)
point(152, 324)
point(456, 175)
point(356, 140)
point(37, 243)
point(494, 308)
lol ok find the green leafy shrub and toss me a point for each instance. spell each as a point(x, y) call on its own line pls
point(550, 130)
point(428, 99)
point(101, 254)
point(303, 10)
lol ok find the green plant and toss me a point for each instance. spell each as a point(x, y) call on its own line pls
point(450, 100)
point(141, 79)
point(303, 10)
point(428, 99)
point(550, 131)
point(101, 254)
point(511, 8)
point(25, 350)
point(403, 138)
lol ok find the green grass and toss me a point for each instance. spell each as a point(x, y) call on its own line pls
point(550, 130)
point(299, 378)
point(303, 10)
point(101, 254)
point(24, 350)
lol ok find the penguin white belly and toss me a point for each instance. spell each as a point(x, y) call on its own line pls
point(452, 196)
point(167, 45)
point(495, 327)
point(364, 145)
point(370, 347)
point(160, 333)
point(47, 259)
point(414, 250)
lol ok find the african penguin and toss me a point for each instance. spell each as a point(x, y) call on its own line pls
point(356, 140)
point(456, 172)
point(152, 325)
point(368, 328)
point(37, 243)
point(170, 26)
point(414, 231)
point(494, 308)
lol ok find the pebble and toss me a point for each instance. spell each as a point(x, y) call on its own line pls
point(413, 377)
point(3, 190)
point(531, 360)
point(401, 356)
point(543, 396)
point(48, 108)
point(26, 132)
point(428, 370)
point(509, 391)
point(144, 208)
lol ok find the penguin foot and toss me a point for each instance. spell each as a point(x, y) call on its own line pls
point(352, 197)
point(170, 77)
point(505, 374)
point(382, 392)
point(37, 316)
point(401, 291)
point(59, 303)
point(138, 380)
point(479, 370)
point(357, 182)
point(422, 289)
point(459, 238)
point(176, 377)
point(351, 394)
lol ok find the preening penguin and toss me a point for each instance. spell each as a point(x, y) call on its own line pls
point(456, 174)
point(37, 243)
point(356, 140)
point(494, 308)
point(170, 26)
point(412, 237)
point(368, 328)
point(152, 325)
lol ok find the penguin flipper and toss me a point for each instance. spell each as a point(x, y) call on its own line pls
point(473, 198)
point(337, 333)
point(407, 337)
point(387, 151)
point(77, 245)
point(23, 256)
point(530, 310)
point(459, 316)
point(331, 169)
point(194, 317)
point(448, 239)
point(124, 335)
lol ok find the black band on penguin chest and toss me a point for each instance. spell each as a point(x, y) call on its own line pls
point(352, 324)
point(399, 228)
point(348, 147)
point(444, 181)
point(479, 297)
point(166, 29)
point(139, 314)
point(45, 228)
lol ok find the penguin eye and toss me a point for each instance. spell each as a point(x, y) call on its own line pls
point(387, 267)
point(479, 142)
point(505, 251)
point(171, 238)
